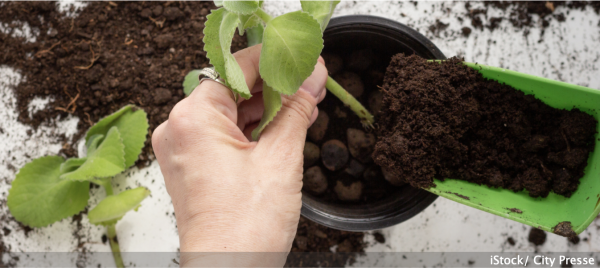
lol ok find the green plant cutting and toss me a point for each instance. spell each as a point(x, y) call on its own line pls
point(291, 45)
point(51, 188)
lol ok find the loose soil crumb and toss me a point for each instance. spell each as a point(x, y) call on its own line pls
point(106, 57)
point(379, 237)
point(447, 121)
point(574, 240)
point(515, 210)
point(564, 229)
point(511, 241)
point(537, 236)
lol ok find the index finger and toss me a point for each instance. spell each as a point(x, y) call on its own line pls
point(218, 96)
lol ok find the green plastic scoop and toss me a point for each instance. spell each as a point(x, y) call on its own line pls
point(555, 213)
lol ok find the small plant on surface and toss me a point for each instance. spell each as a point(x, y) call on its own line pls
point(291, 45)
point(51, 188)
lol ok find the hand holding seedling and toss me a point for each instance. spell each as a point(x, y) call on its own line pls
point(231, 193)
point(291, 45)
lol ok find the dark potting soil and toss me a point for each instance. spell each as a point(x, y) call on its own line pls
point(447, 121)
point(338, 164)
point(139, 53)
point(110, 55)
point(312, 237)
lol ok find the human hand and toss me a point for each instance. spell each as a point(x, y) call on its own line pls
point(231, 194)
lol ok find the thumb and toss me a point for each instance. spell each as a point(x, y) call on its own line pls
point(288, 129)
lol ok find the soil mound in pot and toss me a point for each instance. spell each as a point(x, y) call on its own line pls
point(447, 121)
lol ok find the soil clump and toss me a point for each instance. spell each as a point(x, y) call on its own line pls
point(447, 121)
point(537, 236)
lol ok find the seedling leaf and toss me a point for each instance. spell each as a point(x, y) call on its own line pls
point(320, 10)
point(38, 196)
point(255, 35)
point(291, 46)
point(248, 21)
point(218, 34)
point(218, 3)
point(107, 161)
point(71, 164)
point(191, 81)
point(114, 207)
point(272, 100)
point(93, 143)
point(241, 7)
point(133, 128)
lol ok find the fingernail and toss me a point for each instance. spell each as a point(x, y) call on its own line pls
point(315, 83)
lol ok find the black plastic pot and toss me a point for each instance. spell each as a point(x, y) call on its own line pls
point(386, 37)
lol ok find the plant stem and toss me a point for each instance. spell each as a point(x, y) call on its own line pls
point(365, 117)
point(114, 245)
point(263, 15)
point(111, 230)
point(107, 187)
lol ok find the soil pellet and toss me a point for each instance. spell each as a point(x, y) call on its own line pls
point(317, 130)
point(311, 153)
point(334, 154)
point(314, 180)
point(350, 192)
point(351, 82)
point(360, 144)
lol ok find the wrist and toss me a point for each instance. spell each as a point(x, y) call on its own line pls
point(212, 242)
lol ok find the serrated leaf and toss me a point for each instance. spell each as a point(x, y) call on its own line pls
point(255, 35)
point(107, 161)
point(241, 7)
point(218, 3)
point(38, 197)
point(248, 21)
point(71, 164)
point(93, 143)
point(291, 46)
point(320, 10)
point(133, 127)
point(218, 34)
point(191, 81)
point(272, 101)
point(114, 207)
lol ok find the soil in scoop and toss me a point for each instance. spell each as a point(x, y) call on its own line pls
point(447, 121)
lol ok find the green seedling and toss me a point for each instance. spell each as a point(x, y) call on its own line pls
point(291, 45)
point(51, 188)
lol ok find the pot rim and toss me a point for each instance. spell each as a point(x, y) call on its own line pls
point(378, 221)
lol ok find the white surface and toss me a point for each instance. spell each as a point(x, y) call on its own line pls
point(568, 52)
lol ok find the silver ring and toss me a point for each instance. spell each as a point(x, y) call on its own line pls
point(211, 74)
